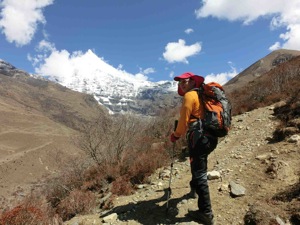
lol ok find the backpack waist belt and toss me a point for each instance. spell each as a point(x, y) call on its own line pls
point(194, 124)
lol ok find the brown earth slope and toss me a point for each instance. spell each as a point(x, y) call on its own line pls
point(268, 172)
point(38, 119)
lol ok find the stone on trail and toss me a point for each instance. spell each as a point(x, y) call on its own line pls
point(212, 175)
point(110, 218)
point(236, 189)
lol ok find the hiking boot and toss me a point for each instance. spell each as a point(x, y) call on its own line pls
point(206, 219)
point(192, 193)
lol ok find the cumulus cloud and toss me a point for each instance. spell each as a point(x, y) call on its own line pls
point(281, 13)
point(19, 19)
point(179, 51)
point(189, 30)
point(222, 78)
point(65, 66)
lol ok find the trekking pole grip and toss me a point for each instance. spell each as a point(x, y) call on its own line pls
point(175, 124)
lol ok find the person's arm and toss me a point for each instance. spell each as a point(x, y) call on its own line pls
point(185, 113)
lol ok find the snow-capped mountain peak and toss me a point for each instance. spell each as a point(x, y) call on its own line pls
point(112, 87)
point(116, 89)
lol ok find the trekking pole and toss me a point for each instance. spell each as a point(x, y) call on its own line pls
point(216, 157)
point(173, 152)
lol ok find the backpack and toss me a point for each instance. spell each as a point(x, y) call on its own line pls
point(217, 109)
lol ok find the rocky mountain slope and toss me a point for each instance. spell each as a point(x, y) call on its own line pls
point(267, 172)
point(260, 67)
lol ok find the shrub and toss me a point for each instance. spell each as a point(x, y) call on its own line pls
point(122, 186)
point(33, 211)
point(288, 114)
point(95, 179)
point(70, 177)
point(22, 214)
point(105, 139)
point(135, 168)
point(77, 202)
point(122, 147)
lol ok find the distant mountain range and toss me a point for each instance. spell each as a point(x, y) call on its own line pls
point(123, 94)
point(119, 94)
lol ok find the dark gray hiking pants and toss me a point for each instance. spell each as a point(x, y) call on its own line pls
point(198, 160)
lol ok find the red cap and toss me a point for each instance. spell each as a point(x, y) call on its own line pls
point(184, 76)
point(198, 79)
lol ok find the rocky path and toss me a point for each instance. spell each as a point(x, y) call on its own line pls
point(243, 160)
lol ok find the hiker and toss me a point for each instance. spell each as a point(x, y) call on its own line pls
point(201, 144)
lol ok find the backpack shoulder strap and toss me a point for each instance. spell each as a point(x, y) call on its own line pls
point(198, 90)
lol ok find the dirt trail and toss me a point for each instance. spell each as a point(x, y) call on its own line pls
point(18, 155)
point(245, 156)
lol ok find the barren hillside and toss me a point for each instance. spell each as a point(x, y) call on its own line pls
point(268, 171)
point(38, 119)
point(29, 143)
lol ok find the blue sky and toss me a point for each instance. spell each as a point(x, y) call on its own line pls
point(152, 40)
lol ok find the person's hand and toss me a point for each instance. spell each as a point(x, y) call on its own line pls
point(173, 138)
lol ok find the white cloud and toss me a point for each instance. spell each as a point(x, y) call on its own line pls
point(19, 19)
point(148, 70)
point(45, 46)
point(63, 65)
point(281, 13)
point(221, 78)
point(189, 30)
point(275, 46)
point(291, 37)
point(179, 51)
point(232, 10)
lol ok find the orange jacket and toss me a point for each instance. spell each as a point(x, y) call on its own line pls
point(190, 106)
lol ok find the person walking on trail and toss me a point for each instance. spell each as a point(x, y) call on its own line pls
point(200, 144)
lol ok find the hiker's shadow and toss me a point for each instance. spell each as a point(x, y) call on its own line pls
point(151, 212)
